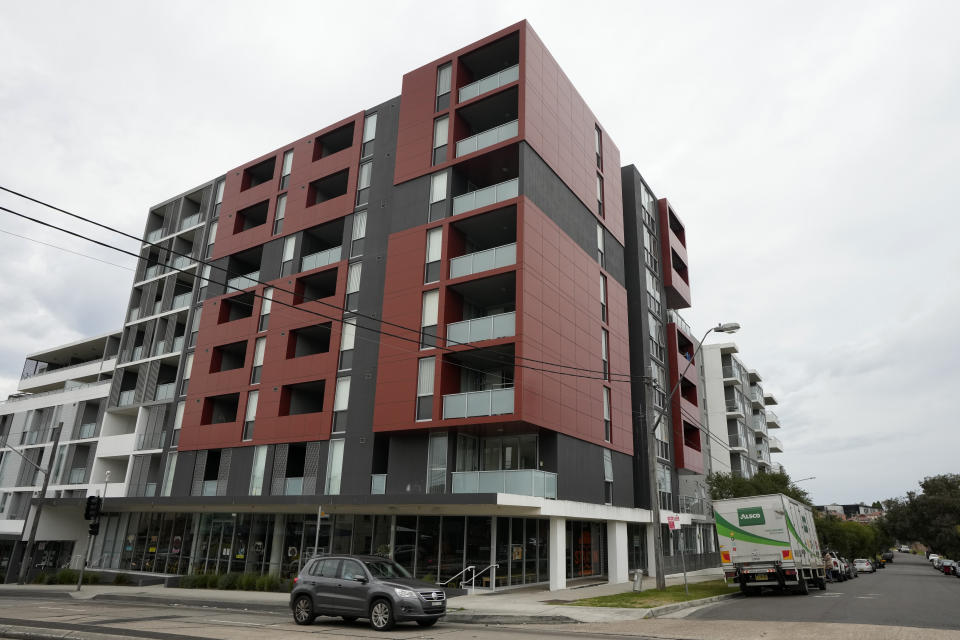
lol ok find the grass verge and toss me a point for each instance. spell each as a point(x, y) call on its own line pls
point(654, 598)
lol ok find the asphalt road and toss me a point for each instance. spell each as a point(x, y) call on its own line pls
point(907, 593)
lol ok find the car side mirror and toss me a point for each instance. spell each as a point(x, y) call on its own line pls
point(361, 579)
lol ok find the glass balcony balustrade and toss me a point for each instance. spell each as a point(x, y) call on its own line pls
point(320, 259)
point(378, 484)
point(481, 261)
point(243, 282)
point(488, 138)
point(472, 404)
point(524, 482)
point(489, 83)
point(126, 398)
point(486, 196)
point(502, 325)
point(165, 391)
point(77, 476)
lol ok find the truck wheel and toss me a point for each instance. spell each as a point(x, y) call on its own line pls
point(746, 592)
point(803, 589)
point(822, 583)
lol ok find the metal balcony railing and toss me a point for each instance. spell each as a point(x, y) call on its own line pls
point(320, 259)
point(489, 83)
point(492, 402)
point(150, 441)
point(152, 271)
point(488, 138)
point(524, 482)
point(772, 419)
point(695, 506)
point(486, 196)
point(677, 319)
point(480, 261)
point(501, 325)
point(243, 282)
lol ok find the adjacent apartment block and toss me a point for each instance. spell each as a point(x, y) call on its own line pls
point(426, 331)
point(738, 413)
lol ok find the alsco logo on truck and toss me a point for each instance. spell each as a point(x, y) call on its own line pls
point(750, 516)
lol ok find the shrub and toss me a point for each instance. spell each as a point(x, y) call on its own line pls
point(42, 578)
point(121, 579)
point(91, 578)
point(66, 576)
point(248, 582)
point(268, 583)
point(228, 581)
point(286, 586)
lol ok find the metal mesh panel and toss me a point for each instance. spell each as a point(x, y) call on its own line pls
point(279, 469)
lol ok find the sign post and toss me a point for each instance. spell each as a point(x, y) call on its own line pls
point(674, 523)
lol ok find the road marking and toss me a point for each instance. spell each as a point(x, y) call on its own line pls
point(248, 624)
point(62, 609)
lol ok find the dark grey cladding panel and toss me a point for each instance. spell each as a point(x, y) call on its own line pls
point(623, 485)
point(381, 213)
point(270, 260)
point(241, 468)
point(407, 465)
point(579, 470)
point(218, 278)
point(540, 184)
point(183, 474)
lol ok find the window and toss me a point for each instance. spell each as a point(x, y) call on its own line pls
point(341, 399)
point(187, 370)
point(650, 251)
point(204, 282)
point(280, 213)
point(653, 294)
point(334, 467)
point(285, 169)
point(211, 238)
point(437, 463)
point(195, 329)
point(286, 264)
point(425, 378)
point(600, 195)
point(428, 319)
point(444, 75)
point(259, 465)
point(251, 414)
point(598, 146)
point(607, 476)
point(369, 133)
point(258, 349)
point(659, 385)
point(434, 245)
point(438, 197)
point(353, 286)
point(600, 245)
point(606, 414)
point(441, 128)
point(265, 308)
point(363, 183)
point(603, 298)
point(665, 487)
point(656, 342)
point(178, 416)
point(347, 338)
point(218, 201)
point(605, 353)
point(169, 468)
point(358, 234)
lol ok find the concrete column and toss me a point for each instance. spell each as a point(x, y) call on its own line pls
point(558, 554)
point(276, 548)
point(618, 563)
point(651, 555)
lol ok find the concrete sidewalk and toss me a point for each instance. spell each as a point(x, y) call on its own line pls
point(532, 605)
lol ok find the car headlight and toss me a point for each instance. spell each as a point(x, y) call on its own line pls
point(405, 593)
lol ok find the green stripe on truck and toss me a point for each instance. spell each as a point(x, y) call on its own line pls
point(725, 529)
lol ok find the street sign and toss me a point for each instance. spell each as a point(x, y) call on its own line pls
point(673, 522)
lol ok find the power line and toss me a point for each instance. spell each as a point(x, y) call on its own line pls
point(76, 253)
point(227, 272)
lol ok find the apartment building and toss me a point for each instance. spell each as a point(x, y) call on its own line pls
point(426, 331)
point(739, 413)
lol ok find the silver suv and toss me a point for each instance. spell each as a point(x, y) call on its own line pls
point(364, 587)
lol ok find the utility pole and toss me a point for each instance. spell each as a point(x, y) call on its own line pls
point(27, 559)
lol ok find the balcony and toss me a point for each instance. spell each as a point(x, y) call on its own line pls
point(486, 196)
point(150, 441)
point(682, 325)
point(165, 391)
point(208, 488)
point(488, 138)
point(737, 442)
point(490, 83)
point(731, 375)
point(695, 506)
point(481, 261)
point(502, 325)
point(773, 420)
point(154, 235)
point(126, 398)
point(475, 404)
point(191, 221)
point(182, 262)
point(243, 282)
point(756, 397)
point(293, 486)
point(775, 445)
point(182, 300)
point(320, 259)
point(523, 482)
point(87, 430)
point(378, 484)
point(77, 476)
point(150, 490)
point(152, 271)
point(734, 408)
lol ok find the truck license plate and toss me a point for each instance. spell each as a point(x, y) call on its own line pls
point(760, 576)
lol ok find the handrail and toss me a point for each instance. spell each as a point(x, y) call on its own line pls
point(446, 582)
point(475, 574)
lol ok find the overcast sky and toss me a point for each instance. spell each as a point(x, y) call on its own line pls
point(812, 150)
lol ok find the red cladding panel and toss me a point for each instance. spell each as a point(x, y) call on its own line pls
point(558, 311)
point(677, 289)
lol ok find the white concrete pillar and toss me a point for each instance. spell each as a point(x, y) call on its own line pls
point(276, 548)
point(558, 554)
point(618, 563)
point(651, 556)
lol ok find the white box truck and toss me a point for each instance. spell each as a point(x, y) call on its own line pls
point(768, 541)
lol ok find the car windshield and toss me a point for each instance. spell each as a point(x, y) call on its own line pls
point(386, 569)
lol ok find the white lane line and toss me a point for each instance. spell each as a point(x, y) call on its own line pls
point(248, 624)
point(62, 609)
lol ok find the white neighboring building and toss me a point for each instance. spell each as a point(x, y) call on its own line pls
point(737, 413)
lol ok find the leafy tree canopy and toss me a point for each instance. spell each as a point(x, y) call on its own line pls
point(931, 517)
point(727, 485)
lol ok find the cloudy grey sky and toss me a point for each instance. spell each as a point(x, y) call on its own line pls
point(812, 150)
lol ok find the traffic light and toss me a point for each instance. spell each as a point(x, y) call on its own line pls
point(94, 528)
point(92, 509)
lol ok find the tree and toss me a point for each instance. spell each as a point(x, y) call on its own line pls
point(931, 517)
point(726, 485)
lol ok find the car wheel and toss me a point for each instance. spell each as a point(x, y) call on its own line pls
point(427, 623)
point(381, 615)
point(303, 610)
point(349, 618)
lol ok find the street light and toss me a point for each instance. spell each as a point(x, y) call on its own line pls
point(724, 327)
point(802, 479)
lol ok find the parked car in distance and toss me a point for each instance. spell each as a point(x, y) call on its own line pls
point(862, 564)
point(948, 567)
point(851, 570)
point(364, 587)
point(888, 556)
point(833, 566)
point(933, 558)
point(904, 549)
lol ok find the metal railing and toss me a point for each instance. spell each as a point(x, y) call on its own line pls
point(485, 260)
point(477, 574)
point(48, 369)
point(775, 445)
point(28, 396)
point(486, 196)
point(489, 83)
point(695, 506)
point(523, 482)
point(152, 271)
point(772, 418)
point(733, 406)
point(243, 282)
point(488, 138)
point(491, 402)
point(677, 319)
point(378, 484)
point(182, 262)
point(501, 325)
point(320, 259)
